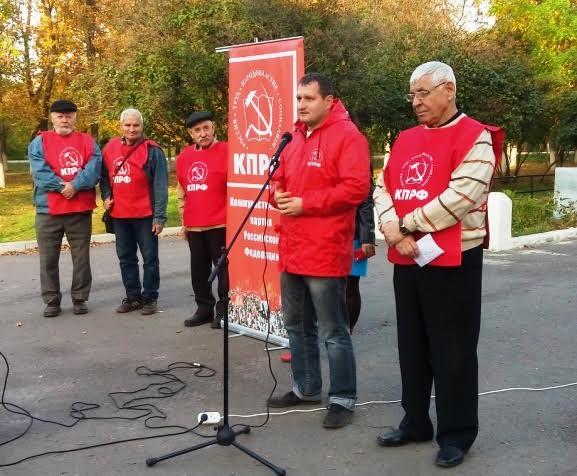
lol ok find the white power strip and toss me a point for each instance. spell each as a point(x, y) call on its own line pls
point(211, 418)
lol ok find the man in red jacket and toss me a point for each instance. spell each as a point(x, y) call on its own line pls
point(323, 177)
point(201, 172)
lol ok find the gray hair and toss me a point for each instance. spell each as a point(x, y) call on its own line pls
point(131, 112)
point(439, 72)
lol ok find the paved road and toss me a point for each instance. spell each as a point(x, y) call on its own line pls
point(527, 340)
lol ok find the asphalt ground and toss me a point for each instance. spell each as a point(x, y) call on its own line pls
point(528, 339)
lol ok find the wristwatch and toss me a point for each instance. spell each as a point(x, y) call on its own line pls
point(402, 228)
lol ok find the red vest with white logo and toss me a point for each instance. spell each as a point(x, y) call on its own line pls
point(67, 156)
point(129, 184)
point(419, 170)
point(202, 175)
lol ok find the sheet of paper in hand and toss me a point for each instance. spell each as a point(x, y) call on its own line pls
point(428, 250)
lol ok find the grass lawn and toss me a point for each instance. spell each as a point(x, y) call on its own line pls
point(17, 209)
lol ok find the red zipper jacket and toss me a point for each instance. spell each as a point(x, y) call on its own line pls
point(329, 170)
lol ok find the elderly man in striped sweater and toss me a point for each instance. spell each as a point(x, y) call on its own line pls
point(436, 183)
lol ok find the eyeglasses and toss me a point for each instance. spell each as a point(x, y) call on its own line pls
point(421, 94)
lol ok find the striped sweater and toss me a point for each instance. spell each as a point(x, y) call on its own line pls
point(463, 200)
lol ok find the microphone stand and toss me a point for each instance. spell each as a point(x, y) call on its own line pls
point(225, 435)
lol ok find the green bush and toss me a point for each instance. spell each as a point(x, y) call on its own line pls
point(537, 215)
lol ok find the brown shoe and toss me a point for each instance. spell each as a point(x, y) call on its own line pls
point(337, 416)
point(150, 307)
point(129, 305)
point(79, 307)
point(52, 310)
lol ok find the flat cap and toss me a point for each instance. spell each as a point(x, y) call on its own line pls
point(197, 117)
point(63, 105)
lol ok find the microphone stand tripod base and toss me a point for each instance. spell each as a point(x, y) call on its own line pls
point(225, 436)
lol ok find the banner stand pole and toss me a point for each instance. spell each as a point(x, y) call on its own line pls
point(225, 435)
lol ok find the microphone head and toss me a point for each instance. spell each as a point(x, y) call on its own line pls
point(286, 137)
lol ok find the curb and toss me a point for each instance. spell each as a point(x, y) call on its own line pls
point(27, 246)
point(516, 243)
point(540, 238)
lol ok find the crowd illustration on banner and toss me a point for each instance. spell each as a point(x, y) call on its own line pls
point(249, 310)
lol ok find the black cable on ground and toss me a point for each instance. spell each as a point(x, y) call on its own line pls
point(168, 387)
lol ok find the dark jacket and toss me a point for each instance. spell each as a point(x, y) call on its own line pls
point(365, 218)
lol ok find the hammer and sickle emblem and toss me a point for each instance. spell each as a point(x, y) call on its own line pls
point(198, 172)
point(266, 124)
point(417, 172)
point(70, 157)
point(71, 160)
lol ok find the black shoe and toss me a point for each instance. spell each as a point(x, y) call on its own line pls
point(337, 416)
point(215, 323)
point(449, 456)
point(129, 305)
point(79, 307)
point(398, 438)
point(197, 320)
point(289, 399)
point(52, 310)
point(150, 307)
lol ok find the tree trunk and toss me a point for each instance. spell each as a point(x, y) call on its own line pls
point(94, 131)
point(169, 158)
point(3, 158)
point(3, 144)
point(552, 153)
point(89, 25)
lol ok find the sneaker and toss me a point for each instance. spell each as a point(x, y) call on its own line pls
point(79, 307)
point(289, 399)
point(129, 305)
point(149, 307)
point(52, 310)
point(337, 416)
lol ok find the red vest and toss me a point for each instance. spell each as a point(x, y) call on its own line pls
point(419, 170)
point(202, 176)
point(66, 156)
point(129, 184)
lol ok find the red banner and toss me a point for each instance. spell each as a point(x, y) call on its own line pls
point(262, 106)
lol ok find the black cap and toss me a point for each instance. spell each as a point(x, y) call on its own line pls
point(197, 117)
point(63, 105)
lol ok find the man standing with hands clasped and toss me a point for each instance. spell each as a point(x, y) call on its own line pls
point(436, 182)
point(322, 178)
point(65, 167)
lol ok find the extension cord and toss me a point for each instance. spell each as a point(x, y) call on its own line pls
point(208, 418)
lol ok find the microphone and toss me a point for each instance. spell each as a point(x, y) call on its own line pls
point(285, 139)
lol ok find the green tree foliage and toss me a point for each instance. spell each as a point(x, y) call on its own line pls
point(547, 32)
point(160, 57)
point(548, 29)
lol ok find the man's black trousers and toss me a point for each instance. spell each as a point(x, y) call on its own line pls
point(438, 321)
point(205, 250)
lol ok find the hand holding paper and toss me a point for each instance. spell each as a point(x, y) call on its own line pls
point(428, 250)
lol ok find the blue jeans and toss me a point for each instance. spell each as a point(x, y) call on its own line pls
point(133, 234)
point(310, 303)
